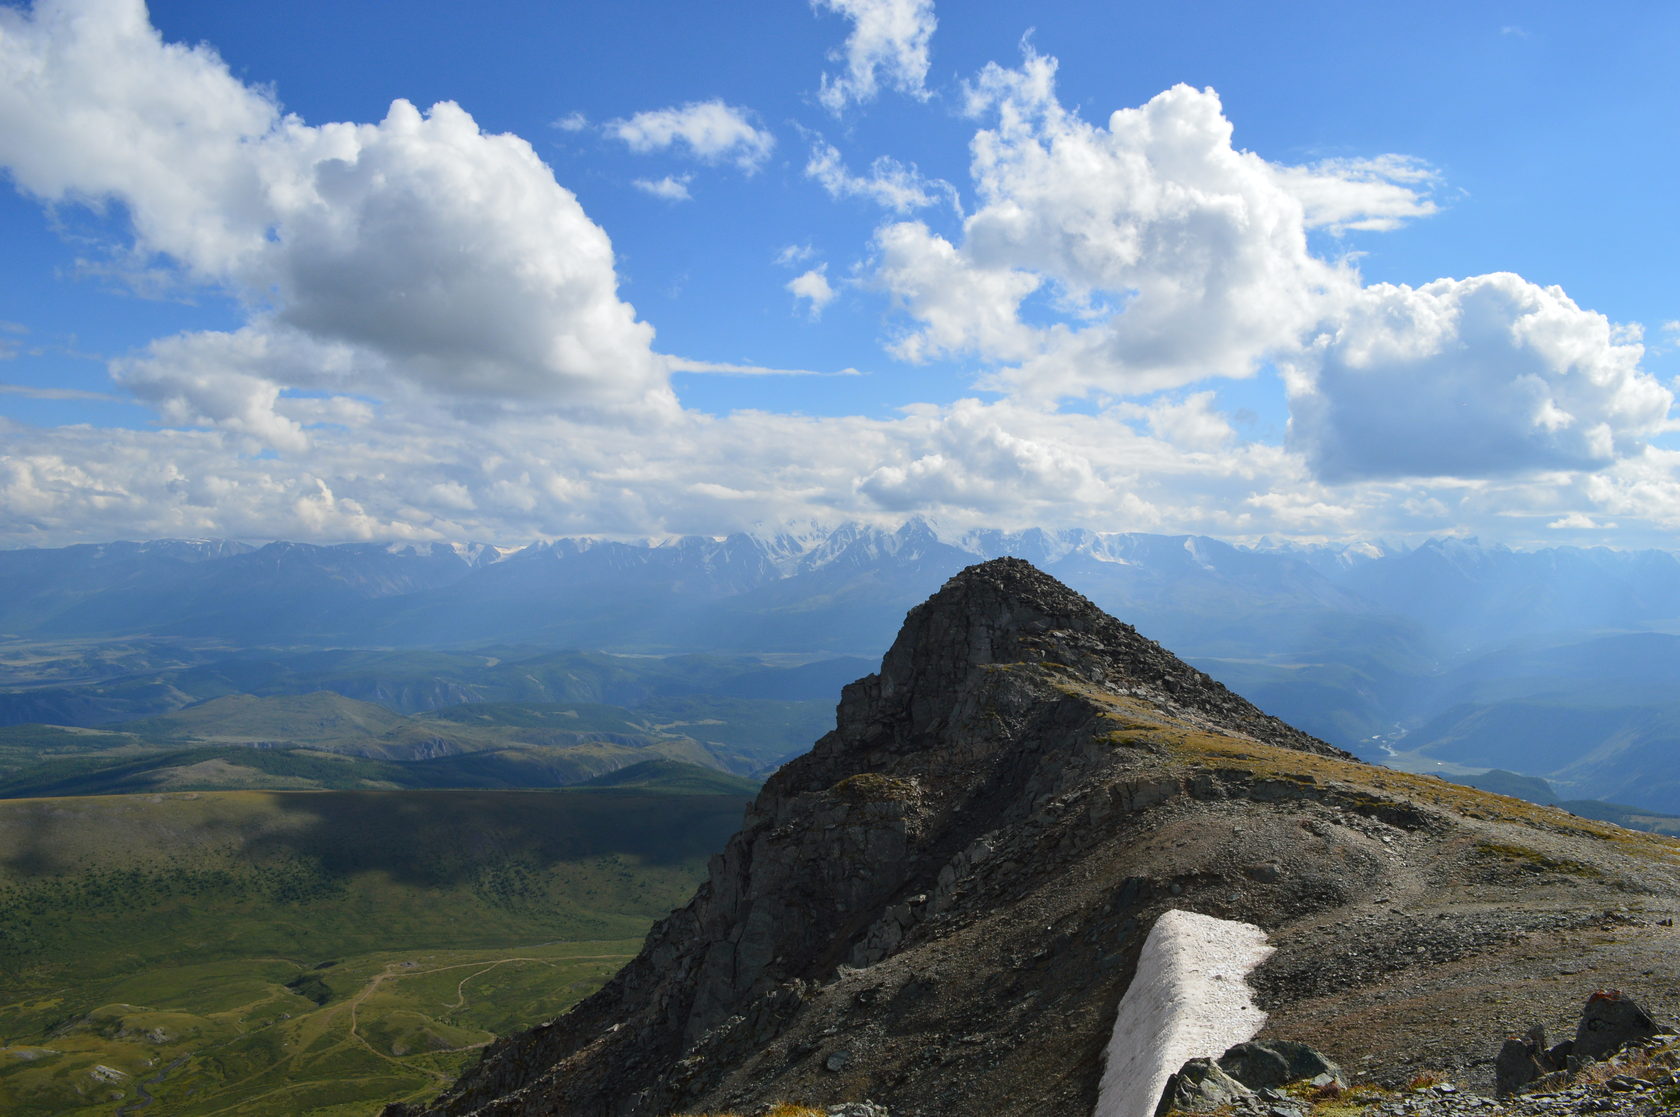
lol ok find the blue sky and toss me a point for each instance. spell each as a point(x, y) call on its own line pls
point(1316, 271)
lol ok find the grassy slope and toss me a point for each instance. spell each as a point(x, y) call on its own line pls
point(209, 745)
point(324, 741)
point(349, 948)
point(674, 776)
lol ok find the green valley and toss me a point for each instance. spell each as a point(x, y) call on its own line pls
point(214, 952)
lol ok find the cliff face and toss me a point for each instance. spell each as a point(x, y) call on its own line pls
point(940, 905)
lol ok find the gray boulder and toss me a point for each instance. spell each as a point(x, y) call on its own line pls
point(1519, 1062)
point(1276, 1063)
point(1611, 1021)
point(1201, 1087)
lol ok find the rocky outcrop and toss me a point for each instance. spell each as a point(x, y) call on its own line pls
point(1247, 1076)
point(945, 899)
point(1610, 1022)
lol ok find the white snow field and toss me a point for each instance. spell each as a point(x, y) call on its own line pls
point(1189, 1000)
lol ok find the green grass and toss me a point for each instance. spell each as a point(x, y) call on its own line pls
point(673, 776)
point(339, 949)
point(240, 768)
point(233, 1037)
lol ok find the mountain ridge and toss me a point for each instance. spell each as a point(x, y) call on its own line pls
point(1394, 653)
point(943, 901)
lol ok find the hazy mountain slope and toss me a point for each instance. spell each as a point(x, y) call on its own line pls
point(295, 769)
point(1537, 790)
point(1619, 753)
point(673, 776)
point(1359, 643)
point(1469, 594)
point(44, 584)
point(848, 585)
point(324, 740)
point(413, 681)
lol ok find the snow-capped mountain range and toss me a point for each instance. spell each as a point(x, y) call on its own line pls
point(1449, 652)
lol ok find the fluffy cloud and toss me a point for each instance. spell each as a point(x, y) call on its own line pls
point(1164, 466)
point(444, 258)
point(1479, 377)
point(434, 338)
point(966, 459)
point(514, 478)
point(94, 105)
point(889, 41)
point(671, 189)
point(1193, 423)
point(1367, 195)
point(710, 130)
point(959, 307)
point(1167, 255)
point(889, 183)
point(813, 286)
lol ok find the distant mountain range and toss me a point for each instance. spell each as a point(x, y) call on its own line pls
point(1450, 655)
point(840, 591)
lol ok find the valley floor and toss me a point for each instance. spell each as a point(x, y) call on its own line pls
point(246, 1036)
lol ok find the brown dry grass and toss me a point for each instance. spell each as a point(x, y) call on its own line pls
point(1139, 724)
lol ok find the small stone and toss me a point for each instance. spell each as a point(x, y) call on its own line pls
point(838, 1060)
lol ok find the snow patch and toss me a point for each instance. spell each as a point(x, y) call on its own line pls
point(1189, 1000)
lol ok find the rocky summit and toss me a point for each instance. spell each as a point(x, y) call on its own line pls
point(939, 908)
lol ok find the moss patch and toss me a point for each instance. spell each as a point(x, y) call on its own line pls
point(1533, 860)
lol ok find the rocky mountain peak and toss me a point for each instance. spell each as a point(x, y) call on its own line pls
point(1007, 611)
point(942, 904)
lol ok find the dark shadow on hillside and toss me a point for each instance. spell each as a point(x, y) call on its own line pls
point(438, 839)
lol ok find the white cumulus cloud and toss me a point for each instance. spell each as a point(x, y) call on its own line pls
point(1167, 255)
point(813, 286)
point(711, 131)
point(433, 337)
point(670, 188)
point(889, 41)
point(1479, 377)
point(425, 252)
point(889, 183)
point(958, 307)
